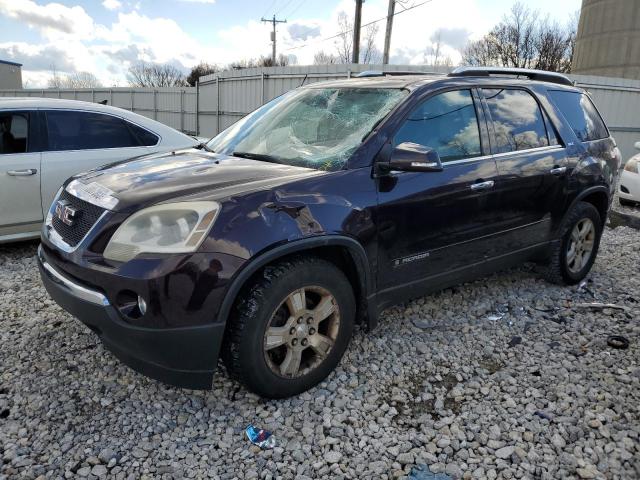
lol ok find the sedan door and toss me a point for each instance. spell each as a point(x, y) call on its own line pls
point(20, 206)
point(434, 225)
point(82, 140)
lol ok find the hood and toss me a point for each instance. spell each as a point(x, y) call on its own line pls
point(195, 173)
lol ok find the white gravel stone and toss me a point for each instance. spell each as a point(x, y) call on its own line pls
point(453, 394)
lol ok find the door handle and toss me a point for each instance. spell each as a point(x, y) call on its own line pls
point(557, 170)
point(482, 185)
point(22, 173)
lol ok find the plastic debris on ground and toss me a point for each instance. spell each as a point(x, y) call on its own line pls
point(422, 472)
point(618, 342)
point(261, 438)
point(601, 306)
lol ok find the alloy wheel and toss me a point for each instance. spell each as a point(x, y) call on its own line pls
point(301, 331)
point(580, 247)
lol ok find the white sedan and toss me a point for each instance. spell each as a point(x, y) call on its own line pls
point(45, 141)
point(629, 184)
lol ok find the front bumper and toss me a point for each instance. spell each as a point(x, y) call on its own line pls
point(630, 182)
point(183, 356)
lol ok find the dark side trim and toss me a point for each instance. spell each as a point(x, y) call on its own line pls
point(354, 248)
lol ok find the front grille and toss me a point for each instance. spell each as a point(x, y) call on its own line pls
point(86, 217)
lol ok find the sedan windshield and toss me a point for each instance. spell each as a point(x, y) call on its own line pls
point(313, 127)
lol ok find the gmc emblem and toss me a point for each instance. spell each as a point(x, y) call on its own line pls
point(66, 213)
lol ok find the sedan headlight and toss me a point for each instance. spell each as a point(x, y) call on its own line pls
point(169, 228)
point(633, 165)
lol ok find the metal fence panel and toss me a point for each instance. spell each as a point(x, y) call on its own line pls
point(223, 98)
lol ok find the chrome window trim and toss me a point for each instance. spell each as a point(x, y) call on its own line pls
point(73, 288)
point(502, 154)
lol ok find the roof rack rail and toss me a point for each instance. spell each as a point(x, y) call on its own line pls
point(539, 75)
point(380, 73)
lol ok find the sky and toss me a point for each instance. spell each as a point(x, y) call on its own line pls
point(105, 37)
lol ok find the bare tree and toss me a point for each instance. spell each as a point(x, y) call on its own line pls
point(524, 40)
point(82, 80)
point(201, 70)
point(369, 53)
point(323, 58)
point(73, 80)
point(155, 75)
point(344, 42)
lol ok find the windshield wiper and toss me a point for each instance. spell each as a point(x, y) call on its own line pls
point(203, 146)
point(256, 156)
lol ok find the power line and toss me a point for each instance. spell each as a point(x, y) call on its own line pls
point(286, 4)
point(302, 2)
point(362, 26)
point(273, 3)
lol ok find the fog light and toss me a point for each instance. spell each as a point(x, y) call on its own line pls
point(142, 305)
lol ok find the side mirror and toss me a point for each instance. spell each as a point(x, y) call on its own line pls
point(413, 157)
point(637, 145)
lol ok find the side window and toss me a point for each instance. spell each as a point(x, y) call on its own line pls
point(73, 130)
point(517, 119)
point(14, 130)
point(144, 137)
point(581, 115)
point(446, 123)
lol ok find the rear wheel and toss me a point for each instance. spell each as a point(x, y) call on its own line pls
point(573, 257)
point(290, 328)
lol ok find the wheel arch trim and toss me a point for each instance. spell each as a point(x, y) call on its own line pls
point(355, 249)
point(585, 193)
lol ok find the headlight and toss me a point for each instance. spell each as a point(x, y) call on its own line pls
point(169, 228)
point(633, 165)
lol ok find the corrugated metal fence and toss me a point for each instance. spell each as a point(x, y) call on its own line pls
point(176, 107)
point(221, 99)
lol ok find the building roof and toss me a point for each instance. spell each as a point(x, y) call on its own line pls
point(7, 62)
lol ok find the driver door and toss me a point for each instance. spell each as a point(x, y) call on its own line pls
point(437, 224)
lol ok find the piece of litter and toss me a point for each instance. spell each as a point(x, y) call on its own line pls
point(515, 341)
point(261, 438)
point(601, 306)
point(618, 342)
point(544, 415)
point(422, 472)
point(496, 316)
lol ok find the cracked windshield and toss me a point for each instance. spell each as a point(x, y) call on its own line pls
point(315, 127)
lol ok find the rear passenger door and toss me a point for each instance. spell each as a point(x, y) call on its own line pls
point(82, 140)
point(531, 166)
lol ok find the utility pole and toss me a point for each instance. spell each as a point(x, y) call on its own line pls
point(387, 33)
point(356, 32)
point(273, 21)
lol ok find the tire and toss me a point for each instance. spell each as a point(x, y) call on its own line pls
point(265, 364)
point(566, 266)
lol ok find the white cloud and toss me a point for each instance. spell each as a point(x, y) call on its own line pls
point(75, 42)
point(210, 2)
point(52, 19)
point(111, 4)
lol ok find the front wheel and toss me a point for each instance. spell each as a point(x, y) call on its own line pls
point(573, 257)
point(290, 328)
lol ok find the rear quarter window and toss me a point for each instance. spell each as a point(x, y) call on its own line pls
point(581, 114)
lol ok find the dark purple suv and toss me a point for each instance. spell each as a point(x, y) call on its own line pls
point(266, 245)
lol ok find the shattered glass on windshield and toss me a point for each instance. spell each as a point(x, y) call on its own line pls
point(316, 127)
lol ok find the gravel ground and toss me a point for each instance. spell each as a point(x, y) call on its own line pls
point(506, 377)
